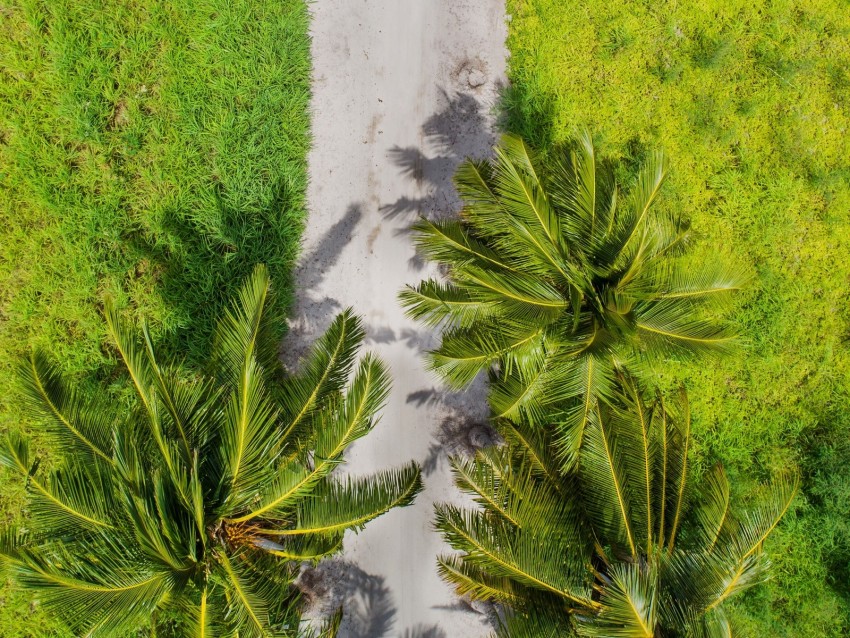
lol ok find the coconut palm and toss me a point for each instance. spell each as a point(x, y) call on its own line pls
point(625, 546)
point(203, 495)
point(555, 278)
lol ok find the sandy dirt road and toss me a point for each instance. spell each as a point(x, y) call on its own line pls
point(402, 91)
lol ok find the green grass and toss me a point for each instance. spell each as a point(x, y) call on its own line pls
point(751, 100)
point(151, 151)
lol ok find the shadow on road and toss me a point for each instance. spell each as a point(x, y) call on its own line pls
point(459, 130)
point(313, 315)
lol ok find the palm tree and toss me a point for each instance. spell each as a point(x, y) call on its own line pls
point(203, 495)
point(624, 546)
point(555, 279)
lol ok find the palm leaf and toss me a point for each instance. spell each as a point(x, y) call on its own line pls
point(666, 328)
point(203, 618)
point(298, 549)
point(324, 374)
point(449, 241)
point(759, 520)
point(545, 622)
point(629, 604)
point(105, 597)
point(434, 304)
point(521, 192)
point(338, 428)
point(543, 563)
point(464, 353)
point(335, 506)
point(712, 513)
point(246, 331)
point(608, 494)
point(77, 497)
point(644, 192)
point(248, 430)
point(247, 609)
point(678, 436)
point(478, 583)
point(79, 423)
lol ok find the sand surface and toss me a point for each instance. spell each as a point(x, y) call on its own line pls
point(402, 91)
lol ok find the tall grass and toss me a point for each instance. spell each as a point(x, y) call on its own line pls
point(151, 151)
point(752, 102)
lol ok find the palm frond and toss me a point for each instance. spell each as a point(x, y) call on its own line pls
point(248, 431)
point(434, 304)
point(247, 608)
point(479, 584)
point(473, 181)
point(365, 396)
point(203, 618)
point(337, 429)
point(336, 506)
point(708, 286)
point(585, 192)
point(480, 478)
point(587, 380)
point(533, 446)
point(521, 192)
point(164, 384)
point(450, 242)
point(80, 424)
point(536, 297)
point(678, 437)
point(666, 328)
point(712, 513)
point(299, 549)
point(757, 522)
point(609, 499)
point(106, 596)
point(546, 622)
point(543, 563)
point(644, 192)
point(75, 497)
point(629, 604)
point(464, 352)
point(324, 373)
point(703, 581)
point(136, 361)
point(246, 331)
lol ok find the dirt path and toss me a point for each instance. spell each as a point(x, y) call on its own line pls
point(403, 90)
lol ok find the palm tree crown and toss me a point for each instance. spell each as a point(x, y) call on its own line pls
point(206, 494)
point(555, 279)
point(624, 546)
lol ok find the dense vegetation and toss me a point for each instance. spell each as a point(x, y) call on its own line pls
point(201, 499)
point(751, 103)
point(627, 545)
point(154, 151)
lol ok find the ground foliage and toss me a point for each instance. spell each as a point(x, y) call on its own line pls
point(751, 103)
point(153, 151)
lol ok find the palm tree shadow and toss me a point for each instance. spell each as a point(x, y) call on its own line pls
point(368, 611)
point(463, 426)
point(461, 129)
point(424, 631)
point(312, 315)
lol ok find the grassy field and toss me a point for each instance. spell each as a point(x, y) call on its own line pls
point(152, 151)
point(751, 100)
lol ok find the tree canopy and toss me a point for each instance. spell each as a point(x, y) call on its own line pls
point(626, 545)
point(205, 493)
point(556, 278)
